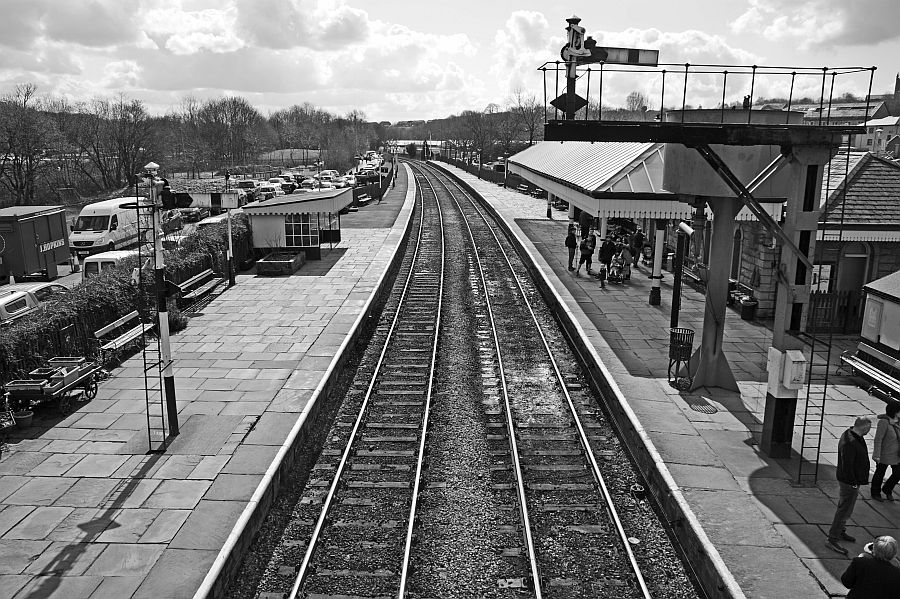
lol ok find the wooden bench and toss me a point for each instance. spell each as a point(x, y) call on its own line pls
point(522, 189)
point(198, 286)
point(364, 199)
point(120, 333)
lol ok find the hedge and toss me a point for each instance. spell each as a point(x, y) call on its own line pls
point(65, 325)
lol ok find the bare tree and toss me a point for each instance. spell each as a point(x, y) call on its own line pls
point(529, 113)
point(26, 133)
point(636, 102)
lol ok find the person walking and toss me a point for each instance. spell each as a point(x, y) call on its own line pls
point(872, 575)
point(586, 247)
point(886, 452)
point(572, 244)
point(585, 221)
point(852, 472)
point(625, 255)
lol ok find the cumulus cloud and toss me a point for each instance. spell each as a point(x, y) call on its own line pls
point(822, 22)
point(316, 24)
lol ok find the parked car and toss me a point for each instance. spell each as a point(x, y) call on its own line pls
point(267, 191)
point(104, 226)
point(350, 179)
point(248, 188)
point(330, 172)
point(94, 265)
point(171, 221)
point(21, 298)
point(193, 214)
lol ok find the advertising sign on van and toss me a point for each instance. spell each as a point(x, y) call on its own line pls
point(52, 245)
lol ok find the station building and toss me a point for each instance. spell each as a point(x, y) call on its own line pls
point(299, 221)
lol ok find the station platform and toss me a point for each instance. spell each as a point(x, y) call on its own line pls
point(86, 513)
point(765, 531)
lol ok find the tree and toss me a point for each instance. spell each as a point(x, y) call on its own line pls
point(636, 102)
point(411, 149)
point(528, 112)
point(26, 133)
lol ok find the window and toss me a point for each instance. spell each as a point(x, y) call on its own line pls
point(92, 223)
point(114, 223)
point(16, 306)
point(300, 231)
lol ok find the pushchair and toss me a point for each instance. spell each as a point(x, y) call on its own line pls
point(616, 272)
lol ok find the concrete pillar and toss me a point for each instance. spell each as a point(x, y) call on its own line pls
point(792, 298)
point(571, 212)
point(709, 366)
point(603, 226)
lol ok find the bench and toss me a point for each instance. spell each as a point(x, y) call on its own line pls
point(522, 189)
point(198, 286)
point(120, 333)
point(871, 373)
point(364, 199)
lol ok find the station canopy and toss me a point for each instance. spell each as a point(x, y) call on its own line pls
point(612, 179)
point(325, 201)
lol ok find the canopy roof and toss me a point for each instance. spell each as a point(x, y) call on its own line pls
point(887, 287)
point(327, 200)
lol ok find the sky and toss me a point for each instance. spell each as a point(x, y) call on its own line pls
point(404, 60)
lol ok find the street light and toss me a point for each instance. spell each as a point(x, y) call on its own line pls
point(156, 186)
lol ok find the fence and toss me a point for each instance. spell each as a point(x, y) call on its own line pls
point(837, 312)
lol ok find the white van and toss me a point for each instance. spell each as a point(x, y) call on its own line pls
point(104, 226)
point(94, 265)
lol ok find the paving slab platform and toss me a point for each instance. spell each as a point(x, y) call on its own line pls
point(86, 513)
point(748, 529)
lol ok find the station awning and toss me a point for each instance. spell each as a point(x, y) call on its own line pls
point(329, 200)
point(612, 179)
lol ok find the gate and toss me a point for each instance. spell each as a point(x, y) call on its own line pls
point(838, 312)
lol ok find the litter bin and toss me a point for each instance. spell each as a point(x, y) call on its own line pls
point(681, 343)
point(748, 307)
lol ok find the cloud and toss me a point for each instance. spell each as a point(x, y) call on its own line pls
point(188, 32)
point(316, 24)
point(823, 23)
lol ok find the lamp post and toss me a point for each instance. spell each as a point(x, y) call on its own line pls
point(684, 232)
point(162, 310)
point(229, 253)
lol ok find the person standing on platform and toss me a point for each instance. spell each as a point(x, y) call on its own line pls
point(852, 472)
point(637, 245)
point(872, 575)
point(607, 251)
point(886, 452)
point(586, 247)
point(571, 244)
point(585, 220)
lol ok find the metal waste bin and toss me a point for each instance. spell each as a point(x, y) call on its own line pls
point(681, 343)
point(748, 307)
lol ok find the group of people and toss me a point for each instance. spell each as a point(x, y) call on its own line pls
point(871, 574)
point(616, 251)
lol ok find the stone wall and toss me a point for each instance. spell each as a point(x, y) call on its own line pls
point(759, 263)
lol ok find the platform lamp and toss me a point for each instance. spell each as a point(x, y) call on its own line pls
point(158, 191)
point(684, 234)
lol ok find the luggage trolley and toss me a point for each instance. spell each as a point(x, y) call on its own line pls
point(57, 382)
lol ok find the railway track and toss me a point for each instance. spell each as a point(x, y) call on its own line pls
point(469, 459)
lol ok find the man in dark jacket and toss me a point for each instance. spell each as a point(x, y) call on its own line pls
point(607, 251)
point(571, 243)
point(852, 471)
point(872, 575)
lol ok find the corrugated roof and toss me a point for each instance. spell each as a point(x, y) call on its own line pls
point(584, 165)
point(888, 121)
point(872, 197)
point(886, 286)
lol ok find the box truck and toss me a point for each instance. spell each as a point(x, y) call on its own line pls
point(33, 241)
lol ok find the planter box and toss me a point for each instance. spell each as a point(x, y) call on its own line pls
point(67, 361)
point(280, 263)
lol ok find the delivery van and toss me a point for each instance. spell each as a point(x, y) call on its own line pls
point(104, 226)
point(94, 265)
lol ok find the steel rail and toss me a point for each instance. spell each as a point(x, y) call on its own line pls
point(404, 567)
point(304, 567)
point(517, 466)
point(610, 507)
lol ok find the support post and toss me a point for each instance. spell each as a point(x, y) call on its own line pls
point(603, 226)
point(230, 252)
point(162, 310)
point(658, 244)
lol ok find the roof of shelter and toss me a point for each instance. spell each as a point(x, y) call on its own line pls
point(872, 197)
point(588, 166)
point(887, 121)
point(327, 200)
point(888, 286)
